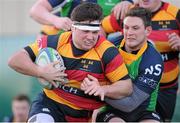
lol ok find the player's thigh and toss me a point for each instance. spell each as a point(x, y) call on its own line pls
point(149, 121)
point(116, 119)
point(44, 107)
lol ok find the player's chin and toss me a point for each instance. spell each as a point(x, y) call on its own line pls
point(88, 47)
point(130, 42)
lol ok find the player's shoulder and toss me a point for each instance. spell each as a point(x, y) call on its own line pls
point(151, 55)
point(103, 43)
point(151, 61)
point(170, 9)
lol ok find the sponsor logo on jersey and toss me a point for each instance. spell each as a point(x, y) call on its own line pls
point(150, 82)
point(154, 70)
point(155, 115)
point(45, 110)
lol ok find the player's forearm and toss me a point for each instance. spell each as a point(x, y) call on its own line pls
point(130, 103)
point(41, 12)
point(22, 63)
point(46, 18)
point(119, 89)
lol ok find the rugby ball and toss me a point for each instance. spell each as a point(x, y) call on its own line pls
point(46, 56)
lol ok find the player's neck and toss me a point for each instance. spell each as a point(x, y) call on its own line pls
point(133, 50)
point(156, 7)
point(16, 119)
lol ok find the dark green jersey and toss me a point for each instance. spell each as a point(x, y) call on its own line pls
point(145, 68)
point(69, 5)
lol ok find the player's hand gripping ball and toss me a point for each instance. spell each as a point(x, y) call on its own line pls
point(46, 56)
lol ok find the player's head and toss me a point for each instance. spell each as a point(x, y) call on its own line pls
point(85, 29)
point(20, 107)
point(152, 5)
point(142, 13)
point(137, 26)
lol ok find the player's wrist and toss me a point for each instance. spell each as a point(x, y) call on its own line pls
point(105, 89)
point(39, 72)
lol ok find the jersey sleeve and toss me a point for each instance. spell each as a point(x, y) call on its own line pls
point(110, 24)
point(44, 41)
point(150, 72)
point(130, 103)
point(115, 68)
point(35, 47)
point(55, 3)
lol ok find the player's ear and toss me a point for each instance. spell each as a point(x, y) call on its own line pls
point(148, 30)
point(72, 26)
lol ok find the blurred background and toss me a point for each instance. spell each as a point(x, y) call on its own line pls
point(17, 30)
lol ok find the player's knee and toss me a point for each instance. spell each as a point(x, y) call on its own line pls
point(41, 118)
point(149, 121)
point(116, 119)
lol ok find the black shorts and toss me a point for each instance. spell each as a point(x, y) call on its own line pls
point(166, 102)
point(60, 112)
point(134, 116)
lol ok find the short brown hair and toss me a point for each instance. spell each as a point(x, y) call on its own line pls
point(87, 12)
point(142, 13)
